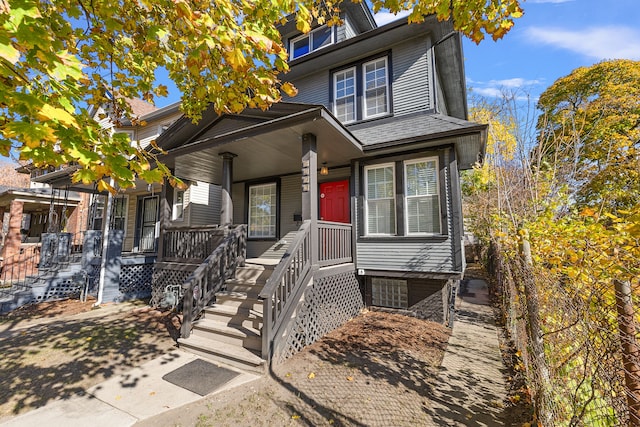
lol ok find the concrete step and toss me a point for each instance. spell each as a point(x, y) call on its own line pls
point(239, 357)
point(230, 334)
point(15, 299)
point(240, 300)
point(234, 316)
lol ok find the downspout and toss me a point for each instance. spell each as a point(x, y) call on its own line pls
point(106, 227)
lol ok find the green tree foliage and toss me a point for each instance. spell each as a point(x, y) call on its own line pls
point(58, 58)
point(576, 197)
point(589, 131)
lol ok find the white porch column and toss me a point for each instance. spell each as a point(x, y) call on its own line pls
point(226, 205)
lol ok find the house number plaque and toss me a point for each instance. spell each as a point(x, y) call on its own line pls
point(305, 176)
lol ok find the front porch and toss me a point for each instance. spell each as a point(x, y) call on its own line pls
point(281, 278)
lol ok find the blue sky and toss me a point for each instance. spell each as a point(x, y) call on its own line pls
point(552, 38)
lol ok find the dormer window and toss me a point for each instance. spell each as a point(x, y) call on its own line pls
point(310, 42)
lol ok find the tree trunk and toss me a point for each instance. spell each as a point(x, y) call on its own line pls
point(630, 352)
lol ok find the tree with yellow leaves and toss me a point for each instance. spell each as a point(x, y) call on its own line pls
point(58, 59)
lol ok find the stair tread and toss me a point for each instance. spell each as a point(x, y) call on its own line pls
point(231, 310)
point(246, 282)
point(222, 349)
point(234, 330)
point(238, 295)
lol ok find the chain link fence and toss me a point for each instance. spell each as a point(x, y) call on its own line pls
point(578, 344)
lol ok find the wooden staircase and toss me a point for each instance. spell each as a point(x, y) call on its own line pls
point(229, 331)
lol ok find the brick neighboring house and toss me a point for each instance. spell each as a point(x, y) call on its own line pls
point(27, 213)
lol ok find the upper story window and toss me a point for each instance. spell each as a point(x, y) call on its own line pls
point(317, 39)
point(362, 91)
point(345, 95)
point(376, 88)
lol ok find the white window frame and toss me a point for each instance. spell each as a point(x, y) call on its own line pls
point(353, 96)
point(386, 88)
point(407, 196)
point(131, 133)
point(274, 214)
point(387, 292)
point(174, 212)
point(309, 37)
point(366, 197)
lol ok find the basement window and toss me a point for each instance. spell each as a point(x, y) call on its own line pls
point(389, 292)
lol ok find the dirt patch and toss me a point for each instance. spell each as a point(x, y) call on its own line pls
point(56, 350)
point(377, 369)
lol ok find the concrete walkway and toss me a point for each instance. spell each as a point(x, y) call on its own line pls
point(470, 390)
point(124, 399)
point(472, 383)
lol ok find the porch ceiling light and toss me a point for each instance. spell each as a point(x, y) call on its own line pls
point(324, 170)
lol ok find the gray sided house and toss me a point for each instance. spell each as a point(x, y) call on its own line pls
point(346, 195)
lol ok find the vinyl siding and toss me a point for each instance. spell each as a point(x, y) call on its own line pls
point(410, 80)
point(202, 206)
point(313, 89)
point(413, 256)
point(149, 132)
point(290, 203)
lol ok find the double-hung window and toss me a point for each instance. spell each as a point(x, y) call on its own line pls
point(422, 203)
point(376, 89)
point(317, 39)
point(262, 210)
point(345, 95)
point(418, 211)
point(380, 196)
point(362, 91)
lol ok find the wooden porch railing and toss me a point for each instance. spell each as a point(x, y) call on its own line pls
point(285, 286)
point(334, 243)
point(200, 287)
point(190, 244)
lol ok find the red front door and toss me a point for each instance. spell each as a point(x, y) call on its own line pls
point(334, 201)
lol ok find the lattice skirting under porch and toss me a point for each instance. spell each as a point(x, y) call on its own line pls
point(165, 276)
point(329, 302)
point(135, 281)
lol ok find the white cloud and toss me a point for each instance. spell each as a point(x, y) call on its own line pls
point(513, 83)
point(489, 92)
point(517, 87)
point(596, 42)
point(383, 18)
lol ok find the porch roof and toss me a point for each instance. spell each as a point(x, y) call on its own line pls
point(266, 143)
point(36, 198)
point(424, 130)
